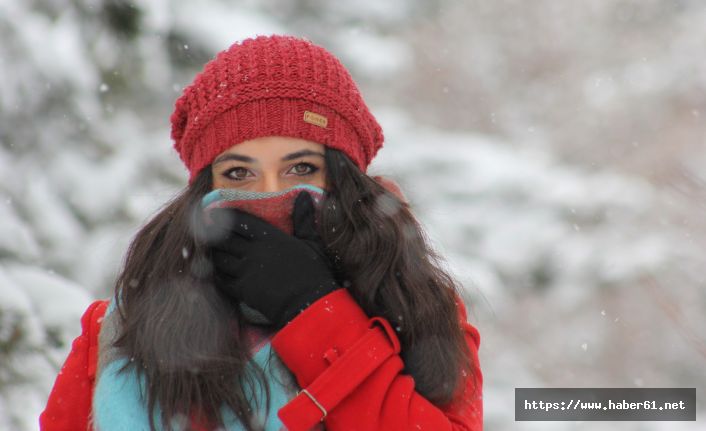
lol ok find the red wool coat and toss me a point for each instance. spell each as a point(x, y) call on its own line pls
point(347, 361)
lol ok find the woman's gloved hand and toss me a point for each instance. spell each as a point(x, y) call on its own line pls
point(277, 274)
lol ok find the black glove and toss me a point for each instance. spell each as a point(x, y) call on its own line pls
point(274, 273)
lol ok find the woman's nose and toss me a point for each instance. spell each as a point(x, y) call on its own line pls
point(271, 183)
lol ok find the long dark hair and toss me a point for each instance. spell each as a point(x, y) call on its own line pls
point(187, 338)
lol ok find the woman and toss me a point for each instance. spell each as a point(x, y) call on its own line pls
point(180, 344)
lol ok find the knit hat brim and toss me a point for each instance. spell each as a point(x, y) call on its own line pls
point(276, 117)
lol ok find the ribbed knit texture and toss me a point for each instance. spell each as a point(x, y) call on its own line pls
point(263, 86)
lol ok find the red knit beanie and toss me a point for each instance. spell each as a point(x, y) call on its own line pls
point(272, 86)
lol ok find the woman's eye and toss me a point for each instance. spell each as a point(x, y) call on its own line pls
point(236, 177)
point(308, 168)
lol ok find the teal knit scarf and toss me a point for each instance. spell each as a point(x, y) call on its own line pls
point(118, 403)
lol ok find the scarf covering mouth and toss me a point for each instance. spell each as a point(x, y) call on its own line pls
point(274, 207)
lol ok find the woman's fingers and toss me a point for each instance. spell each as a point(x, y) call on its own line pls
point(303, 217)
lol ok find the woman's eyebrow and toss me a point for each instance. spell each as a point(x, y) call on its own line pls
point(248, 159)
point(233, 156)
point(301, 153)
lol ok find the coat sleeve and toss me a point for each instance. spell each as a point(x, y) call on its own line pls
point(69, 403)
point(349, 366)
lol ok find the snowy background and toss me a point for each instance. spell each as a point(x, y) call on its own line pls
point(553, 150)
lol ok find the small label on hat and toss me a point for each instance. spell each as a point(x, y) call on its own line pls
point(315, 119)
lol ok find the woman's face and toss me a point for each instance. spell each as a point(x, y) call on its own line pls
point(270, 164)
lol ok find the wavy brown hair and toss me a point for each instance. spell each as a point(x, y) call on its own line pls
point(187, 338)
